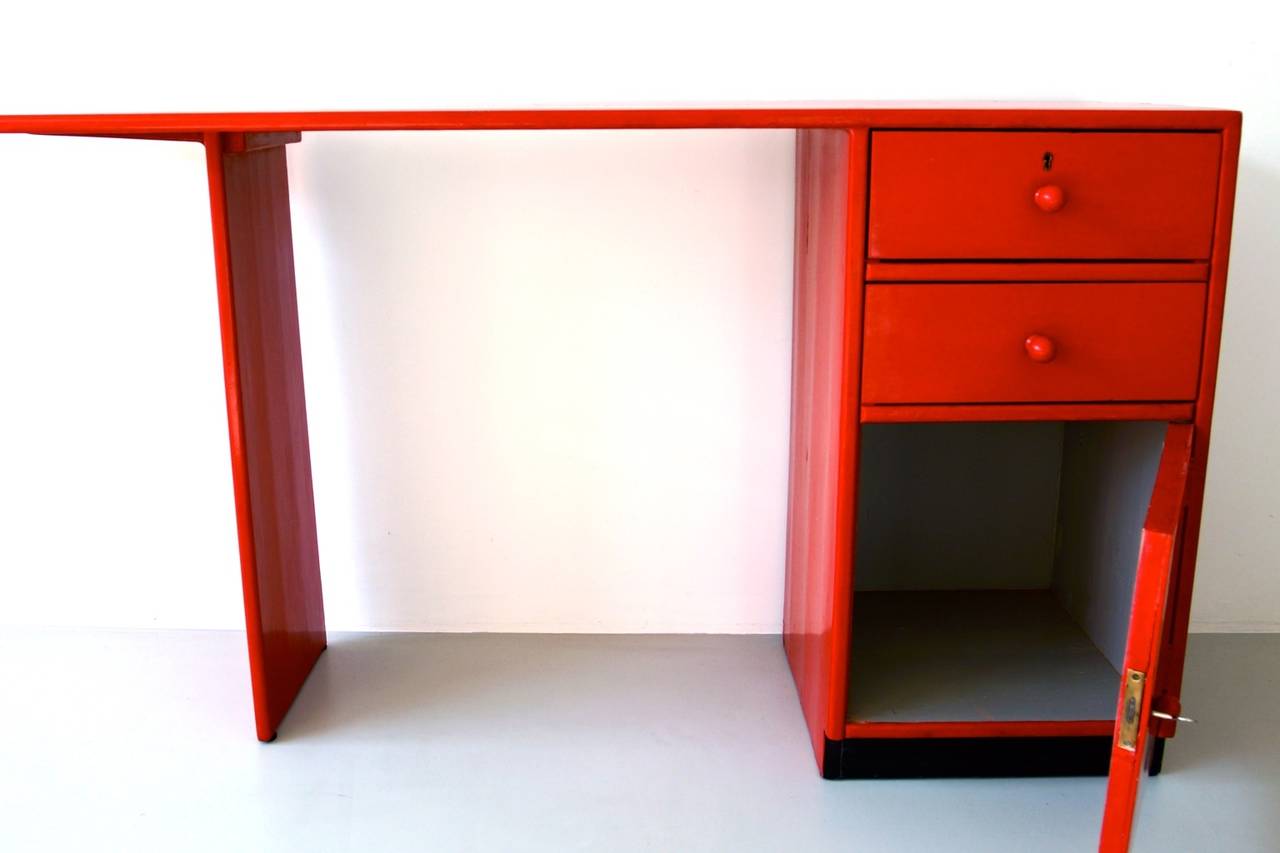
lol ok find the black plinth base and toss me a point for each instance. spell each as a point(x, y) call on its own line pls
point(923, 758)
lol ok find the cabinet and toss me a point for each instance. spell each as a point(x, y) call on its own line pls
point(1005, 350)
point(1006, 331)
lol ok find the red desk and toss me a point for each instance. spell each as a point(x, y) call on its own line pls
point(1007, 323)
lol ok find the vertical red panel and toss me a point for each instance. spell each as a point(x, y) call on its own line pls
point(1169, 687)
point(267, 418)
point(1156, 553)
point(830, 214)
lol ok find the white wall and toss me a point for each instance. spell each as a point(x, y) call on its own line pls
point(547, 373)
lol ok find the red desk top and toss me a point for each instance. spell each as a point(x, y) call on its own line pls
point(921, 114)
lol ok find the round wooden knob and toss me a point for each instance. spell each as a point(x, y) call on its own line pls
point(1040, 348)
point(1050, 198)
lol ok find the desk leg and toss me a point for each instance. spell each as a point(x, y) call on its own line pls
point(267, 418)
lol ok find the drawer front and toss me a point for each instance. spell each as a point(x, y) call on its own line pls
point(1010, 343)
point(1019, 195)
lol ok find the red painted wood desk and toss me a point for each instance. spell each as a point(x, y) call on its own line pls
point(1006, 323)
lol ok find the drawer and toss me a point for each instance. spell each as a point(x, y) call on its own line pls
point(1054, 195)
point(1009, 343)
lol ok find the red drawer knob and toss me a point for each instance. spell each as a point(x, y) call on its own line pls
point(1040, 348)
point(1050, 198)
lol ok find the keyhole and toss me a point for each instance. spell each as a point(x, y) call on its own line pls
point(1048, 160)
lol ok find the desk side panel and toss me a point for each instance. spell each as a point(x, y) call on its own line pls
point(830, 201)
point(1168, 685)
point(267, 415)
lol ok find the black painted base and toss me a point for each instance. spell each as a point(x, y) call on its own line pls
point(921, 758)
point(1156, 764)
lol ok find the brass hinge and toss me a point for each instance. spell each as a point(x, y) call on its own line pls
point(1134, 682)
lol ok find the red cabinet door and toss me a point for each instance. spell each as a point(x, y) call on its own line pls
point(1156, 556)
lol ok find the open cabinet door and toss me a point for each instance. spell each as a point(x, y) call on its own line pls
point(1156, 553)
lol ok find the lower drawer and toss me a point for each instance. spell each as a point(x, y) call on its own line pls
point(1010, 343)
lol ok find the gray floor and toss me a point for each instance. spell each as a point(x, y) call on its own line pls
point(143, 742)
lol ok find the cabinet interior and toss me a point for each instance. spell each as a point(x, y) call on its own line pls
point(994, 568)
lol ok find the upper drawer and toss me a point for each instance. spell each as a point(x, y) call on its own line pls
point(1055, 195)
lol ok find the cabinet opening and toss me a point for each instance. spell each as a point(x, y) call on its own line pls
point(994, 569)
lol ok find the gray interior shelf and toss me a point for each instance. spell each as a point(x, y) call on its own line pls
point(962, 656)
